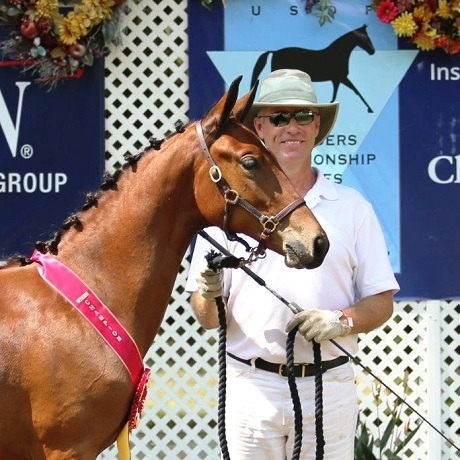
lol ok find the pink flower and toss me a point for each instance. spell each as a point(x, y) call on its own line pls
point(386, 11)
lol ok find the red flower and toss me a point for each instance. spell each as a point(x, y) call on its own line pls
point(442, 41)
point(433, 4)
point(387, 11)
point(454, 47)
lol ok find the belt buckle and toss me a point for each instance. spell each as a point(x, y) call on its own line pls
point(282, 369)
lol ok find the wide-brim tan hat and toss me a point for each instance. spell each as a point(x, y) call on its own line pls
point(293, 88)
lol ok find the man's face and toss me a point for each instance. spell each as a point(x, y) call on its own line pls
point(292, 142)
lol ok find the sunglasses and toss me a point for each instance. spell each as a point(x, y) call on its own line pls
point(302, 117)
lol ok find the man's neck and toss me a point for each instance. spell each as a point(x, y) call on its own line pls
point(302, 180)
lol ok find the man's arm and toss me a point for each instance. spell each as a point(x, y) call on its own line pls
point(205, 311)
point(364, 316)
point(371, 312)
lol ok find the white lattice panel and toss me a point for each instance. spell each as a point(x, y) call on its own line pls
point(146, 77)
point(146, 93)
point(422, 339)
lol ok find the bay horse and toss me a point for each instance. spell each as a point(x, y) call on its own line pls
point(328, 64)
point(64, 394)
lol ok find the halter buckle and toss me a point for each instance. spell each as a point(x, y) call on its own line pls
point(215, 174)
point(269, 224)
point(231, 196)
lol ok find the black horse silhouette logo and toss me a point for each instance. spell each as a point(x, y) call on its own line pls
point(328, 64)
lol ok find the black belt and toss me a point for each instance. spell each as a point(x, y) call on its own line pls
point(300, 370)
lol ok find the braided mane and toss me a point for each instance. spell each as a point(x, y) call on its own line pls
point(109, 183)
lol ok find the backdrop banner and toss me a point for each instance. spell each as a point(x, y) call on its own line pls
point(51, 152)
point(395, 139)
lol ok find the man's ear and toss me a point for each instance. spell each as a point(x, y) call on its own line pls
point(258, 127)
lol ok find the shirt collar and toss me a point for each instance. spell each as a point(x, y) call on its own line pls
point(323, 189)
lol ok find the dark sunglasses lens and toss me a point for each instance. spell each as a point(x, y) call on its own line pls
point(280, 119)
point(304, 117)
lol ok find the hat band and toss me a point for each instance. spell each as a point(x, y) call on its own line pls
point(283, 96)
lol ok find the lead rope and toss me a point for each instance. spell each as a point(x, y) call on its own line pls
point(222, 378)
point(298, 419)
point(217, 261)
point(320, 442)
point(296, 309)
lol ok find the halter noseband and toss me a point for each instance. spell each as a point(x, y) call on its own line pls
point(232, 198)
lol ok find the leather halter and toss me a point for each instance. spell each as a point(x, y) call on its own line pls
point(232, 198)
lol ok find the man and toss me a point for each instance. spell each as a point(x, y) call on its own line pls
point(350, 293)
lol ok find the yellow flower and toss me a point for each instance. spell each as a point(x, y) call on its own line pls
point(428, 30)
point(103, 7)
point(456, 6)
point(92, 14)
point(444, 10)
point(422, 13)
point(404, 25)
point(424, 42)
point(66, 33)
point(71, 29)
point(47, 8)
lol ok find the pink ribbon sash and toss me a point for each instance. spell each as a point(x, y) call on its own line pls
point(70, 286)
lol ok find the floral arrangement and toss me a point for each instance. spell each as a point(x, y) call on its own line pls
point(428, 24)
point(55, 45)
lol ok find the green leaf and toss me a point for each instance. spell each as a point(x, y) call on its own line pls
point(13, 11)
point(72, 62)
point(57, 53)
point(363, 452)
point(88, 59)
point(387, 433)
point(206, 3)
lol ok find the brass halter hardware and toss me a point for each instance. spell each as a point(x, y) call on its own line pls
point(232, 198)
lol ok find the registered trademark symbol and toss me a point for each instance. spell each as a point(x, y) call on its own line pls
point(27, 151)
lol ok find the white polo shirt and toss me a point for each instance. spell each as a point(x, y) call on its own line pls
point(356, 266)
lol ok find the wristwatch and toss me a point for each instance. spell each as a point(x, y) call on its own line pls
point(345, 316)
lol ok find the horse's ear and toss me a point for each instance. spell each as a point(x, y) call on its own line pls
point(232, 96)
point(220, 112)
point(242, 106)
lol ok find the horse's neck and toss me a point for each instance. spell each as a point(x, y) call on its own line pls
point(345, 44)
point(133, 242)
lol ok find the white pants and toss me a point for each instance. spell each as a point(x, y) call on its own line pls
point(260, 416)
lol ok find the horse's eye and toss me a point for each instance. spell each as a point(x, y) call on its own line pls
point(249, 163)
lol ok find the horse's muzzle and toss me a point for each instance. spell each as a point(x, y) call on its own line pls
point(298, 256)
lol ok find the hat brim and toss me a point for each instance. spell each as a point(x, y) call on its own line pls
point(327, 112)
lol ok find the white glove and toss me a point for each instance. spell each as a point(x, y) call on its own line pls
point(318, 325)
point(210, 282)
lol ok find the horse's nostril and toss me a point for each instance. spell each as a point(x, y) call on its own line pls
point(321, 245)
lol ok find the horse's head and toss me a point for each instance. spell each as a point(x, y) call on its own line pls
point(253, 187)
point(363, 39)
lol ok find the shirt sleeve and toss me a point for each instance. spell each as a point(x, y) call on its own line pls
point(373, 273)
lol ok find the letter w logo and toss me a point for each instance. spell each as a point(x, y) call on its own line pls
point(11, 130)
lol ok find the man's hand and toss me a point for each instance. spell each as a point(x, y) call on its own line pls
point(210, 282)
point(318, 325)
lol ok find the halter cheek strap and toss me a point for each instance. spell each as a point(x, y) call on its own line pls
point(232, 198)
